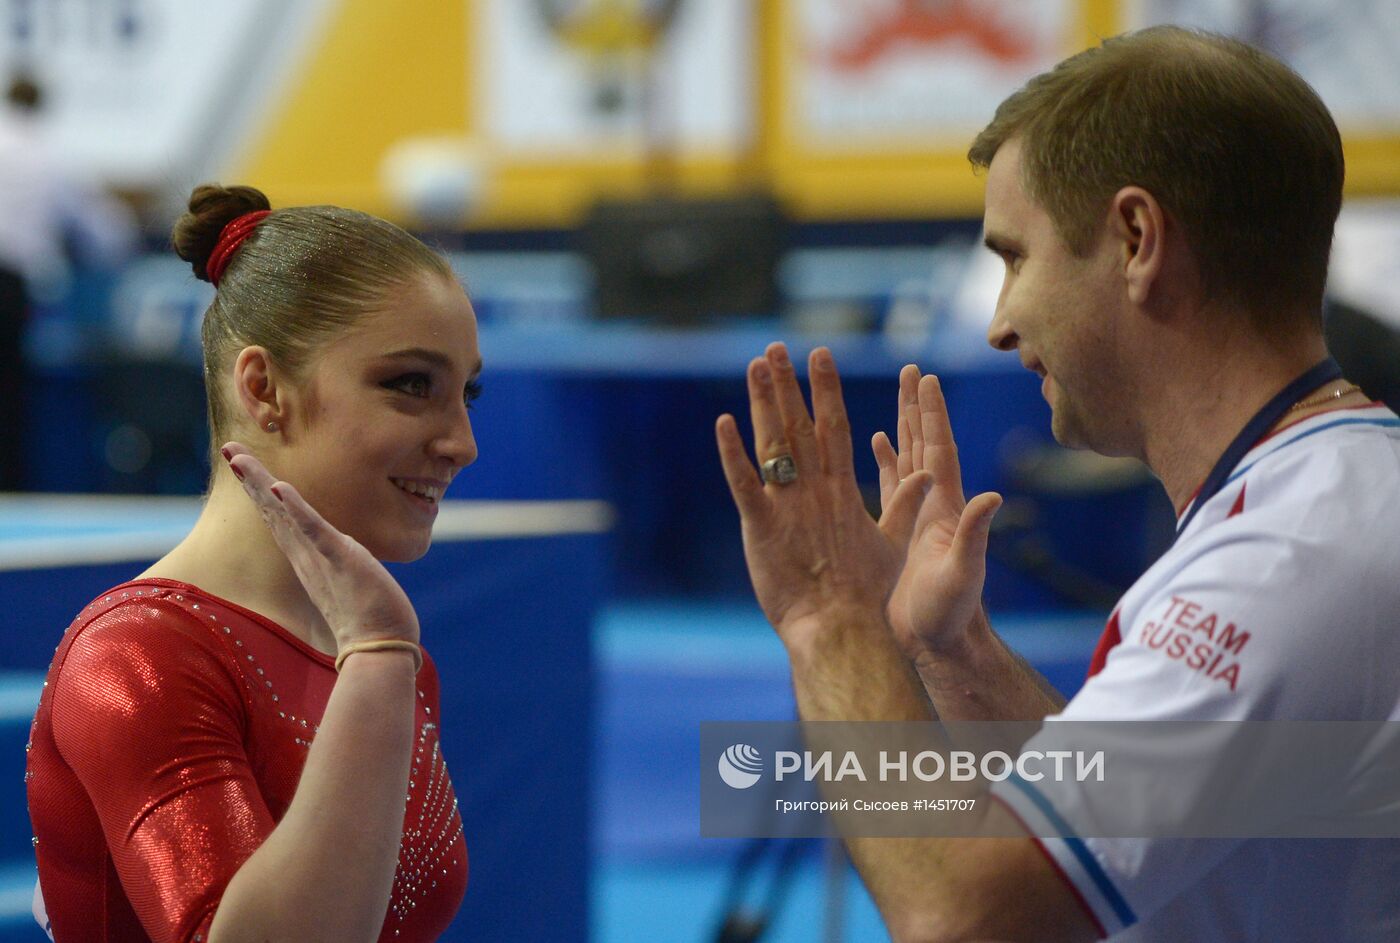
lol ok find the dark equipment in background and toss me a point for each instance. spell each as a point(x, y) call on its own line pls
point(684, 261)
point(743, 920)
point(14, 382)
point(1048, 490)
point(153, 436)
point(1367, 348)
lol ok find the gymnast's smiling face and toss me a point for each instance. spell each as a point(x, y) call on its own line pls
point(380, 423)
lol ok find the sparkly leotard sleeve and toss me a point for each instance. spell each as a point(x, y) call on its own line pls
point(168, 743)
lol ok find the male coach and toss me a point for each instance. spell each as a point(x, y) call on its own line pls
point(1164, 206)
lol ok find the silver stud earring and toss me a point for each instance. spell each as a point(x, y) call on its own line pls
point(272, 427)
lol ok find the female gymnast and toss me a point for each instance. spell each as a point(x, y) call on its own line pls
point(242, 743)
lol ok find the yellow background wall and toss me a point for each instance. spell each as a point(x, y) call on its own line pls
point(384, 71)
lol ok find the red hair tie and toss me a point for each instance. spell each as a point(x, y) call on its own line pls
point(230, 239)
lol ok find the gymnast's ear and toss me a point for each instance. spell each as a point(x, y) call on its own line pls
point(1138, 222)
point(257, 389)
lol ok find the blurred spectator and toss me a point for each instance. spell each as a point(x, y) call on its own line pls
point(44, 214)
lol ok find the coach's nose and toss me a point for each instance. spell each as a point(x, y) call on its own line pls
point(999, 333)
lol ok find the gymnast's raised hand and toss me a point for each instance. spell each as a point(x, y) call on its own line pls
point(360, 601)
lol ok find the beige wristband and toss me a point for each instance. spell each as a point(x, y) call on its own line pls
point(382, 645)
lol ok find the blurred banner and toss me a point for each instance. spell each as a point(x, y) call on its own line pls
point(864, 73)
point(577, 77)
point(149, 95)
point(525, 113)
point(1348, 51)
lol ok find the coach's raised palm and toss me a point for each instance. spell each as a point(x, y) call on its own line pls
point(815, 557)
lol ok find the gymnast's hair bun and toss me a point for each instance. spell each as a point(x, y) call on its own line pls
point(211, 208)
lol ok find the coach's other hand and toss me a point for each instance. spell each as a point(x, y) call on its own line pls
point(940, 591)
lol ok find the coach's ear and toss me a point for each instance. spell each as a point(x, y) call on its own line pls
point(1138, 223)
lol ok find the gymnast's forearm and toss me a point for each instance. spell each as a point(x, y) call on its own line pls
point(327, 869)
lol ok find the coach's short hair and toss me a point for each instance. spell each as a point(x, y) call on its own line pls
point(1234, 144)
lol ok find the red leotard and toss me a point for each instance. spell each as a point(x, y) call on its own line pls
point(168, 743)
